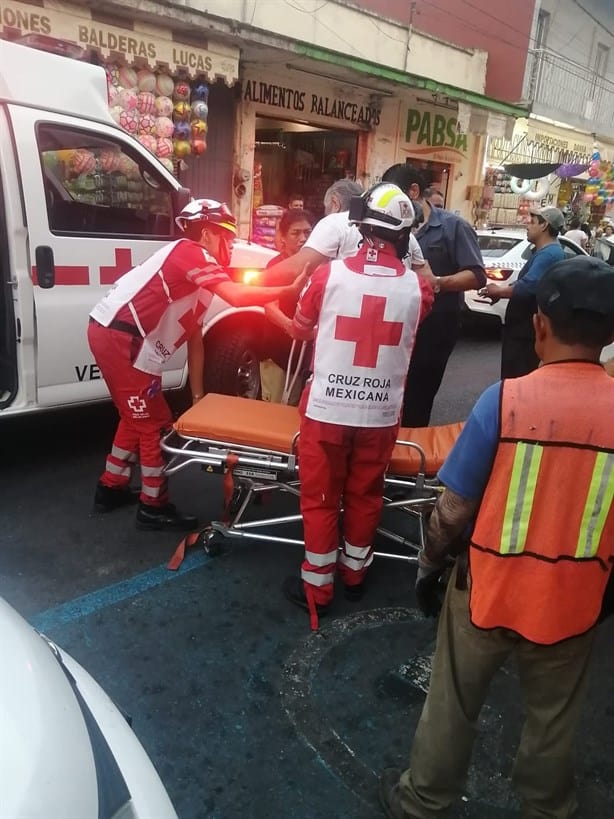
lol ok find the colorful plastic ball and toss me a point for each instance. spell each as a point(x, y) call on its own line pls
point(181, 111)
point(199, 128)
point(165, 85)
point(199, 146)
point(148, 141)
point(596, 156)
point(164, 127)
point(82, 162)
point(164, 147)
point(168, 163)
point(181, 92)
point(181, 130)
point(599, 200)
point(593, 172)
point(146, 80)
point(164, 106)
point(109, 160)
point(116, 112)
point(129, 121)
point(113, 94)
point(146, 103)
point(200, 92)
point(200, 110)
point(147, 124)
point(113, 74)
point(182, 148)
point(127, 77)
point(127, 99)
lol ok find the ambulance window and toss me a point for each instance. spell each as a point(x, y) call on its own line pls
point(98, 186)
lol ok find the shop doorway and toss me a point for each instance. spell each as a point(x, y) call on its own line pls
point(435, 174)
point(292, 158)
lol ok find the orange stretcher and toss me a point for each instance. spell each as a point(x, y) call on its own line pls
point(256, 446)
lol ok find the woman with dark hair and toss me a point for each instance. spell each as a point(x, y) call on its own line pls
point(293, 230)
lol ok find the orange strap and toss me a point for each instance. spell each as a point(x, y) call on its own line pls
point(177, 559)
point(229, 485)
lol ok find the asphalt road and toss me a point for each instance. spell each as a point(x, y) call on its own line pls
point(243, 711)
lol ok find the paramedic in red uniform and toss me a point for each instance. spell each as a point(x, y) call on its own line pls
point(366, 309)
point(150, 312)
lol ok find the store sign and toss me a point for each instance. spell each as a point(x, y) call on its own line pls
point(434, 135)
point(129, 45)
point(308, 104)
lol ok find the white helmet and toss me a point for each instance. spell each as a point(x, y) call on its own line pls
point(386, 206)
point(208, 210)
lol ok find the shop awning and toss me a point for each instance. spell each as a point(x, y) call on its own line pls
point(128, 41)
point(479, 107)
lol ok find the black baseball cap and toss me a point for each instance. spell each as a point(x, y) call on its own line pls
point(584, 283)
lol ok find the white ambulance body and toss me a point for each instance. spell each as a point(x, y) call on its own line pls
point(81, 202)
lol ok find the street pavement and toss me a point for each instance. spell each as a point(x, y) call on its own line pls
point(243, 711)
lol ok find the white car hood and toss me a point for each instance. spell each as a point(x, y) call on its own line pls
point(45, 743)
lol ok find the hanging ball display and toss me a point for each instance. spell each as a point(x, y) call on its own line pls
point(543, 186)
point(112, 74)
point(182, 148)
point(113, 94)
point(181, 130)
point(146, 102)
point(146, 80)
point(165, 85)
point(126, 99)
point(164, 127)
point(127, 77)
point(593, 171)
point(164, 147)
point(199, 146)
point(164, 106)
point(147, 124)
point(181, 111)
point(200, 110)
point(116, 112)
point(181, 92)
point(200, 92)
point(198, 127)
point(148, 141)
point(129, 121)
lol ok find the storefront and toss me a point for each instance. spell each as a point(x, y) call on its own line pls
point(175, 96)
point(298, 133)
point(449, 159)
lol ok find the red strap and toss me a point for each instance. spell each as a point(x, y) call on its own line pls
point(229, 484)
point(313, 612)
point(177, 559)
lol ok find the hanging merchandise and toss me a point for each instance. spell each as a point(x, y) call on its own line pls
point(167, 115)
point(520, 186)
point(541, 190)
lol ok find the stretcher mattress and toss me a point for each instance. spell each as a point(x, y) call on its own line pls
point(245, 422)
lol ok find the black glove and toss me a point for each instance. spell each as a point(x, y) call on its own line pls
point(429, 589)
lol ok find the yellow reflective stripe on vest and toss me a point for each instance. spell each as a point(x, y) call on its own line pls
point(521, 493)
point(598, 503)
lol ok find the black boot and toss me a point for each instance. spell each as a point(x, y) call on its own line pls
point(164, 517)
point(294, 590)
point(108, 498)
point(355, 593)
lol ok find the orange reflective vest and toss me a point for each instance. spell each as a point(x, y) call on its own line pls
point(543, 543)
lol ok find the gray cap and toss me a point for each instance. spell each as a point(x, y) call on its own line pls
point(583, 283)
point(552, 215)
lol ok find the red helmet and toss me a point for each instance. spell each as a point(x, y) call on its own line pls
point(208, 210)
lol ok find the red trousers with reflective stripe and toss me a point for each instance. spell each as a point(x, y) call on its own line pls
point(340, 466)
point(143, 412)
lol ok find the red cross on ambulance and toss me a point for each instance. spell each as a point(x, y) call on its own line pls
point(369, 331)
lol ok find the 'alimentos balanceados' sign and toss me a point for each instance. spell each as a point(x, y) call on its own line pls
point(292, 99)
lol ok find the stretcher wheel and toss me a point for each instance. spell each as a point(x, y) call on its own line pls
point(211, 541)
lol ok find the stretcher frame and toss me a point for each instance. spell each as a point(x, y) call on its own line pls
point(250, 471)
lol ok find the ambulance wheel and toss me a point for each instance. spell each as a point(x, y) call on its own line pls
point(232, 363)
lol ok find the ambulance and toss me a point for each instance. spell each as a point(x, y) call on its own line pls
point(82, 202)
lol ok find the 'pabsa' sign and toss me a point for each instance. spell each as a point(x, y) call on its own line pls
point(434, 135)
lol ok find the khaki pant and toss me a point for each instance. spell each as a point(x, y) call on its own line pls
point(553, 680)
